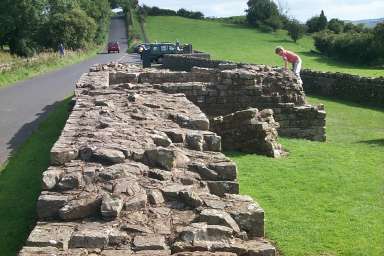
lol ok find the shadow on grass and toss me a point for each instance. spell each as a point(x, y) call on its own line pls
point(378, 142)
point(20, 180)
point(320, 58)
point(349, 102)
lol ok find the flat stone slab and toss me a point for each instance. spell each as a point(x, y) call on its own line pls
point(51, 235)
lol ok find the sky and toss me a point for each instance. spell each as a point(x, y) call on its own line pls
point(299, 9)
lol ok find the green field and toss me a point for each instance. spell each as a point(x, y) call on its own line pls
point(241, 44)
point(20, 181)
point(325, 198)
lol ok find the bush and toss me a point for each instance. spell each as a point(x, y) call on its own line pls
point(23, 48)
point(265, 28)
point(274, 22)
point(360, 48)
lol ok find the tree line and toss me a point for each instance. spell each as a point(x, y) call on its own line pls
point(334, 38)
point(30, 26)
point(156, 11)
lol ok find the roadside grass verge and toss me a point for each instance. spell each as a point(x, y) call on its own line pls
point(324, 198)
point(136, 33)
point(20, 180)
point(243, 44)
point(23, 69)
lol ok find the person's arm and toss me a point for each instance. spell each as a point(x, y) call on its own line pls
point(285, 64)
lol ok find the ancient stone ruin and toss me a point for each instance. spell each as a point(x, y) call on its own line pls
point(138, 169)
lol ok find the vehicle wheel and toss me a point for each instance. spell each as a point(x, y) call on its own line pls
point(159, 60)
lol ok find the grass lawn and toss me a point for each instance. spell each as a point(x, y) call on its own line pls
point(237, 43)
point(325, 198)
point(20, 181)
point(44, 63)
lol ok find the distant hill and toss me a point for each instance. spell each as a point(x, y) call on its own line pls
point(369, 22)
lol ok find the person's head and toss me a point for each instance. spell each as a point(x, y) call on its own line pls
point(279, 50)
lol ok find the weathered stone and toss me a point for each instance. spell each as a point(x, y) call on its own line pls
point(80, 208)
point(126, 186)
point(204, 232)
point(70, 181)
point(217, 217)
point(109, 156)
point(132, 228)
point(171, 192)
point(161, 140)
point(117, 238)
point(149, 242)
point(161, 157)
point(225, 170)
point(204, 172)
point(155, 197)
point(191, 199)
point(48, 205)
point(89, 237)
point(50, 235)
point(111, 206)
point(176, 135)
point(159, 174)
point(139, 201)
point(39, 251)
point(212, 142)
point(250, 217)
point(220, 188)
point(195, 141)
point(61, 154)
point(51, 177)
point(117, 253)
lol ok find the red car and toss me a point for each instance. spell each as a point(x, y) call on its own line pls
point(113, 47)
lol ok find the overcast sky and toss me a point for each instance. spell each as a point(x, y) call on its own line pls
point(300, 9)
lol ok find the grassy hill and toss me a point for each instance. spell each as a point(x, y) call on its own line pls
point(237, 43)
point(325, 199)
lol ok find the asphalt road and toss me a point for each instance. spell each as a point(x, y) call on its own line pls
point(24, 104)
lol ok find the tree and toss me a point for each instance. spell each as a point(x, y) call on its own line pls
point(22, 21)
point(296, 30)
point(259, 11)
point(336, 25)
point(322, 21)
point(317, 23)
point(75, 29)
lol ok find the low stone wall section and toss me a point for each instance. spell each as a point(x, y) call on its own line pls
point(136, 171)
point(258, 87)
point(250, 131)
point(344, 86)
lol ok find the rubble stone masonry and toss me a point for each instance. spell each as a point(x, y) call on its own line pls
point(235, 87)
point(137, 171)
point(138, 168)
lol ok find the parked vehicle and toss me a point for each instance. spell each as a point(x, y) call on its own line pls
point(155, 52)
point(113, 47)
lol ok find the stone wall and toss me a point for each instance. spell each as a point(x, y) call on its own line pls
point(236, 87)
point(345, 86)
point(136, 171)
point(185, 62)
point(249, 130)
